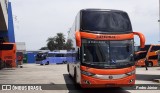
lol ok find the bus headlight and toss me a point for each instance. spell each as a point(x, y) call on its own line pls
point(131, 73)
point(87, 73)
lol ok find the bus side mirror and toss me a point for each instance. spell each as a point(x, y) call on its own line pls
point(142, 39)
point(78, 38)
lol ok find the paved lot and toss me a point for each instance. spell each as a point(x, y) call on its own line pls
point(57, 74)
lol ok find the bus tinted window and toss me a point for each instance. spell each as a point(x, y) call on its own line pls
point(6, 46)
point(146, 48)
point(153, 57)
point(155, 48)
point(142, 55)
point(105, 21)
point(59, 55)
point(50, 55)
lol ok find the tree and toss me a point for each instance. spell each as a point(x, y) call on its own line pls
point(51, 43)
point(60, 41)
point(56, 43)
point(44, 48)
point(69, 44)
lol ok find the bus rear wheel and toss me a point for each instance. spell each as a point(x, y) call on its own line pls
point(64, 62)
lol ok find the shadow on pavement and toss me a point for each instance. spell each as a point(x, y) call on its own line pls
point(146, 77)
point(73, 89)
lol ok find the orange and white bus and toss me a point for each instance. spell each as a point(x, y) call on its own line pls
point(104, 43)
point(8, 55)
point(149, 53)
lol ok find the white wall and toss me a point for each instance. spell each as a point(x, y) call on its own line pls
point(21, 46)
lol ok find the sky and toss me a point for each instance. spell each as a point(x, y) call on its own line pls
point(36, 20)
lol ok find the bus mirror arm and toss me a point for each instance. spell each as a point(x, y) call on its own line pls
point(78, 38)
point(142, 39)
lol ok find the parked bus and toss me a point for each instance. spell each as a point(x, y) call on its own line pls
point(150, 54)
point(104, 43)
point(8, 54)
point(55, 58)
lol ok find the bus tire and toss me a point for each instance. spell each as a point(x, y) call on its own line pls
point(68, 71)
point(41, 64)
point(47, 63)
point(75, 76)
point(65, 62)
point(77, 86)
point(150, 64)
point(68, 68)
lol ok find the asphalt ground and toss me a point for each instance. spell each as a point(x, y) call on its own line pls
point(55, 79)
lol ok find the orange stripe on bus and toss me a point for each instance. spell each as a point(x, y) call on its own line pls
point(107, 36)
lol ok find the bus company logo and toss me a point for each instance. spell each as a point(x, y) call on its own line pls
point(6, 87)
point(106, 36)
point(110, 77)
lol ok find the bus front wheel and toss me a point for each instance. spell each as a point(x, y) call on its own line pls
point(75, 79)
point(47, 63)
point(75, 76)
point(68, 68)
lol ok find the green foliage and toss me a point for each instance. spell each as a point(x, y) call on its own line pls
point(44, 48)
point(58, 43)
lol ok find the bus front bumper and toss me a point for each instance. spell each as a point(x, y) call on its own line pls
point(90, 82)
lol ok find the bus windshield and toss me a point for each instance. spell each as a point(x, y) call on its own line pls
point(41, 56)
point(105, 21)
point(6, 46)
point(108, 54)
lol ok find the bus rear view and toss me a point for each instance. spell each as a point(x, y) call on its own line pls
point(8, 55)
point(104, 43)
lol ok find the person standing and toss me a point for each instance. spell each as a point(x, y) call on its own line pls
point(146, 64)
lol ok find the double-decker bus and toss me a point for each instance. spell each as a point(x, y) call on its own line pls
point(149, 53)
point(104, 43)
point(8, 54)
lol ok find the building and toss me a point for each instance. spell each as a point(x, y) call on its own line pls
point(6, 22)
point(21, 47)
